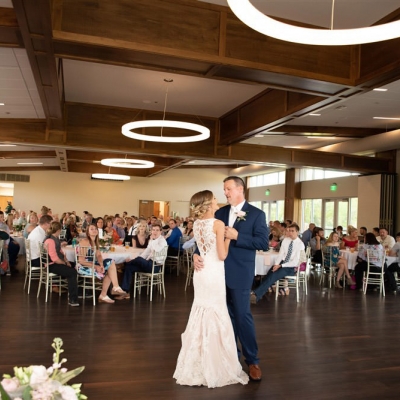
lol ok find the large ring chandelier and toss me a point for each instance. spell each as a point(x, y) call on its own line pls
point(127, 163)
point(204, 133)
point(260, 22)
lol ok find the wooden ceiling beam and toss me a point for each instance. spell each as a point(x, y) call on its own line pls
point(334, 130)
point(28, 154)
point(9, 30)
point(34, 20)
point(237, 153)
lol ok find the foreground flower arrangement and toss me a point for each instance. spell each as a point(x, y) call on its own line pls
point(38, 383)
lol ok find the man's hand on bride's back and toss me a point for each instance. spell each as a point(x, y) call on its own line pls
point(198, 262)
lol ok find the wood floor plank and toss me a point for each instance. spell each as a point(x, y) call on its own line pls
point(334, 344)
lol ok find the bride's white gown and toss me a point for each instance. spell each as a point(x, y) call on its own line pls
point(209, 355)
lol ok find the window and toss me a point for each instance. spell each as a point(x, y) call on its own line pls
point(274, 210)
point(328, 214)
point(310, 174)
point(274, 178)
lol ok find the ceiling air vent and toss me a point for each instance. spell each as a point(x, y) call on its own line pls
point(14, 178)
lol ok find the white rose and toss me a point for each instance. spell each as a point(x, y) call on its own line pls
point(10, 384)
point(39, 375)
point(67, 393)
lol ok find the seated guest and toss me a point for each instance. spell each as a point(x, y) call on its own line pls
point(10, 247)
point(174, 238)
point(376, 260)
point(119, 227)
point(339, 231)
point(274, 238)
point(10, 222)
point(363, 231)
point(188, 231)
point(141, 239)
point(351, 239)
point(37, 236)
point(307, 234)
point(385, 239)
point(394, 267)
point(105, 269)
point(144, 263)
point(316, 243)
point(87, 220)
point(375, 231)
point(286, 262)
point(331, 249)
point(100, 226)
point(58, 263)
point(44, 211)
point(110, 230)
point(71, 230)
point(33, 222)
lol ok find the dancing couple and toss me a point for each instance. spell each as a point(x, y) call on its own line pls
point(227, 240)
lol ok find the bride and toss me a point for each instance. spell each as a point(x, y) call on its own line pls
point(209, 354)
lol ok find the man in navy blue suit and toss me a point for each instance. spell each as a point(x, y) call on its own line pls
point(246, 226)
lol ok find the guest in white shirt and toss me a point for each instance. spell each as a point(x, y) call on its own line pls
point(385, 239)
point(37, 236)
point(394, 267)
point(288, 259)
point(144, 263)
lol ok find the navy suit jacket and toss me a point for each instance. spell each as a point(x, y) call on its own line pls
point(252, 235)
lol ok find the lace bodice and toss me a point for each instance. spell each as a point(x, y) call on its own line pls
point(205, 237)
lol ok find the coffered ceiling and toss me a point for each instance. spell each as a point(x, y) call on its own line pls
point(72, 73)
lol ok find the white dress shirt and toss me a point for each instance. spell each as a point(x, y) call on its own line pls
point(234, 211)
point(35, 237)
point(155, 245)
point(389, 241)
point(294, 261)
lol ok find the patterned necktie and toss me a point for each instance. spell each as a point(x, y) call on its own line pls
point(289, 253)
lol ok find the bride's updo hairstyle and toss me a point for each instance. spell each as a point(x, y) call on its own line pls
point(200, 202)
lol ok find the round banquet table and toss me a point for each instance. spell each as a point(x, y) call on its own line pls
point(350, 257)
point(264, 261)
point(120, 255)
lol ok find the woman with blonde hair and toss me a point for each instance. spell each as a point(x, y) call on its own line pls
point(351, 239)
point(210, 360)
point(331, 249)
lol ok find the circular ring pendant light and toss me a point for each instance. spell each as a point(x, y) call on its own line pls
point(204, 133)
point(127, 129)
point(127, 163)
point(260, 22)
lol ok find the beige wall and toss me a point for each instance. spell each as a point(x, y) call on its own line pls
point(277, 192)
point(63, 191)
point(320, 189)
point(369, 197)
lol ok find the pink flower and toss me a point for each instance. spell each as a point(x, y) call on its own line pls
point(10, 384)
point(241, 215)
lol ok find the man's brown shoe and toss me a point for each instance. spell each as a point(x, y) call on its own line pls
point(254, 372)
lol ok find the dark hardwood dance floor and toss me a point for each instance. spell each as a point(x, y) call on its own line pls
point(334, 344)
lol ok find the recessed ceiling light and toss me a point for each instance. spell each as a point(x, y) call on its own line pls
point(30, 163)
point(259, 136)
point(380, 90)
point(320, 137)
point(394, 119)
point(8, 145)
point(2, 104)
point(314, 115)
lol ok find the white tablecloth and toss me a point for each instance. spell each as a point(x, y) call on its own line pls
point(21, 241)
point(350, 257)
point(264, 261)
point(120, 255)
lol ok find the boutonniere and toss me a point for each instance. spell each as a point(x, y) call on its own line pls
point(241, 215)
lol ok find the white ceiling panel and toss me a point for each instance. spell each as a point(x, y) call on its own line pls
point(143, 89)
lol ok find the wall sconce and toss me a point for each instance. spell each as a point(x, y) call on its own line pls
point(333, 187)
point(267, 192)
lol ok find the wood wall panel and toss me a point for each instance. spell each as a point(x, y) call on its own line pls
point(247, 44)
point(131, 21)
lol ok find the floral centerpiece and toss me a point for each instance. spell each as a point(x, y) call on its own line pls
point(38, 383)
point(105, 241)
